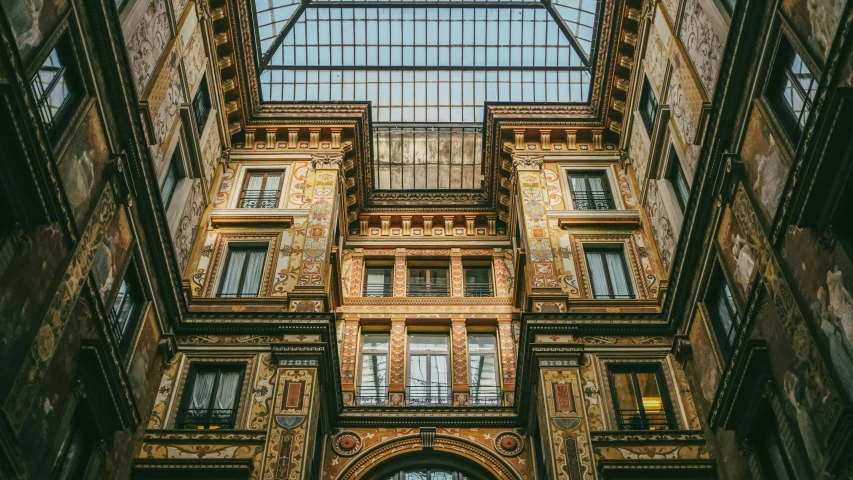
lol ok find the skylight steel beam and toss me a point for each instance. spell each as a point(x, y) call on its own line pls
point(422, 4)
point(267, 56)
point(567, 32)
point(396, 68)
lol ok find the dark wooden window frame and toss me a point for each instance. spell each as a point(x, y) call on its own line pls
point(674, 173)
point(380, 390)
point(779, 73)
point(585, 174)
point(633, 369)
point(430, 385)
point(600, 250)
point(70, 71)
point(174, 166)
point(201, 102)
point(249, 247)
point(385, 290)
point(124, 334)
point(189, 386)
point(427, 282)
point(648, 101)
point(491, 281)
point(716, 292)
point(254, 172)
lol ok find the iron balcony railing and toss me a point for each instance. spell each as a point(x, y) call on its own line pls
point(614, 296)
point(236, 295)
point(428, 396)
point(371, 396)
point(637, 420)
point(485, 396)
point(259, 199)
point(208, 418)
point(382, 290)
point(428, 290)
point(477, 289)
point(115, 326)
point(593, 200)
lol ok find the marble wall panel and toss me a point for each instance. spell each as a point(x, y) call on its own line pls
point(32, 22)
point(738, 253)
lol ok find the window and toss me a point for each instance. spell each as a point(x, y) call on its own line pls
point(261, 189)
point(640, 398)
point(792, 89)
point(591, 191)
point(648, 106)
point(675, 175)
point(201, 104)
point(76, 448)
point(378, 282)
point(729, 5)
point(721, 308)
point(772, 456)
point(428, 282)
point(211, 396)
point(478, 282)
point(127, 306)
point(429, 381)
point(244, 266)
point(56, 86)
point(120, 4)
point(483, 370)
point(429, 474)
point(608, 273)
point(373, 388)
point(170, 183)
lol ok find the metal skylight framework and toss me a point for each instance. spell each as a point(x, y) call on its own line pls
point(426, 63)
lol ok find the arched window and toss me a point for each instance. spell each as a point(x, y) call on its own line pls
point(429, 474)
point(428, 465)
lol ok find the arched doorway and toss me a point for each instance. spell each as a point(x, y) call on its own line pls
point(428, 465)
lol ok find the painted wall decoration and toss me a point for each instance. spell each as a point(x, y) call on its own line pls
point(816, 21)
point(32, 21)
point(739, 255)
point(538, 235)
point(657, 52)
point(159, 412)
point(553, 187)
point(211, 151)
point(147, 43)
point(665, 236)
point(111, 254)
point(766, 168)
point(82, 165)
point(288, 438)
point(638, 151)
point(192, 51)
point(261, 394)
point(564, 425)
point(319, 224)
point(705, 354)
point(164, 101)
point(703, 46)
point(685, 98)
point(189, 223)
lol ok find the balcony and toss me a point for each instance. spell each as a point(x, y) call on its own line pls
point(638, 420)
point(428, 396)
point(208, 418)
point(235, 295)
point(485, 396)
point(479, 289)
point(381, 290)
point(627, 296)
point(427, 290)
point(593, 200)
point(259, 199)
point(371, 396)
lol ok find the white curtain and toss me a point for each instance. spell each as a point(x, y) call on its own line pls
point(596, 184)
point(255, 182)
point(597, 275)
point(271, 190)
point(579, 186)
point(231, 280)
point(226, 393)
point(618, 275)
point(252, 282)
point(202, 388)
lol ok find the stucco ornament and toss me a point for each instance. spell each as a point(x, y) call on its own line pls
point(509, 444)
point(346, 443)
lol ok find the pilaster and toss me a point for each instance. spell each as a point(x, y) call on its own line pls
point(397, 363)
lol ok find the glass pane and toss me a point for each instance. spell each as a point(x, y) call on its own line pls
point(375, 342)
point(477, 275)
point(483, 371)
point(618, 276)
point(378, 276)
point(438, 277)
point(428, 343)
point(419, 475)
point(775, 454)
point(233, 270)
point(254, 271)
point(652, 400)
point(441, 475)
point(417, 275)
point(438, 371)
point(481, 343)
point(597, 275)
point(373, 373)
point(418, 375)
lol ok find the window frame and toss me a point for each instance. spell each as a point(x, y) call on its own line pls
point(124, 328)
point(602, 172)
point(70, 72)
point(491, 398)
point(601, 249)
point(647, 94)
point(427, 285)
point(175, 163)
point(666, 400)
point(718, 284)
point(490, 280)
point(248, 174)
point(201, 98)
point(80, 425)
point(675, 172)
point(247, 246)
point(381, 397)
point(792, 123)
point(764, 426)
point(387, 287)
point(443, 390)
point(189, 386)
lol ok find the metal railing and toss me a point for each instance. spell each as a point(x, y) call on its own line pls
point(485, 396)
point(382, 290)
point(637, 420)
point(371, 396)
point(614, 297)
point(208, 418)
point(428, 396)
point(259, 199)
point(427, 290)
point(115, 326)
point(236, 295)
point(477, 289)
point(593, 200)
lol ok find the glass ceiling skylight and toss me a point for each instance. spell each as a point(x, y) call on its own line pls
point(426, 63)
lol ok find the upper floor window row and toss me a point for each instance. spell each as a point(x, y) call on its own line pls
point(428, 281)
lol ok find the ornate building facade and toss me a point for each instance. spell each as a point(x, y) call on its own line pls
point(316, 239)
